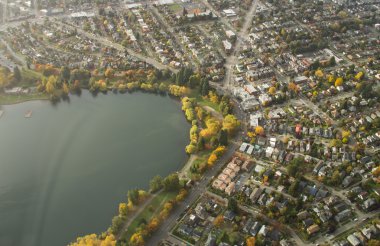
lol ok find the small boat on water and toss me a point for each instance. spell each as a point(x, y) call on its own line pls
point(28, 114)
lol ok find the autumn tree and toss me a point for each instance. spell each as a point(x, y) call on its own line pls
point(339, 82)
point(319, 73)
point(123, 210)
point(93, 240)
point(230, 123)
point(51, 84)
point(293, 87)
point(212, 159)
point(109, 73)
point(251, 241)
point(153, 225)
point(181, 195)
point(259, 130)
point(359, 76)
point(218, 221)
point(137, 239)
point(212, 128)
point(65, 89)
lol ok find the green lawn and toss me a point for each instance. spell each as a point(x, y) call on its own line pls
point(152, 209)
point(203, 102)
point(201, 160)
point(175, 7)
point(6, 99)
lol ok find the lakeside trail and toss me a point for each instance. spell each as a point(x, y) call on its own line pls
point(136, 213)
point(214, 113)
point(185, 169)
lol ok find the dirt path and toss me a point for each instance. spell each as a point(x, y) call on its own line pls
point(214, 113)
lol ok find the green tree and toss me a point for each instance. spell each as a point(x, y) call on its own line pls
point(16, 74)
point(133, 196)
point(156, 183)
point(117, 223)
point(65, 73)
point(171, 182)
point(295, 166)
point(232, 205)
point(223, 137)
point(205, 87)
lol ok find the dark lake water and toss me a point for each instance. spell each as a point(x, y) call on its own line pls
point(64, 171)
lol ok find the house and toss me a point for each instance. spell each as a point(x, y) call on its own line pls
point(308, 222)
point(369, 204)
point(255, 194)
point(263, 231)
point(227, 46)
point(200, 211)
point(243, 147)
point(341, 216)
point(230, 188)
point(269, 151)
point(255, 228)
point(347, 181)
point(211, 240)
point(370, 232)
point(312, 229)
point(229, 215)
point(300, 80)
point(302, 215)
point(354, 241)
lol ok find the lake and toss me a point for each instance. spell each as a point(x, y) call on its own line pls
point(64, 171)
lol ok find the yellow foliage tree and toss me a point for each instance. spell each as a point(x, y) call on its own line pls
point(181, 195)
point(212, 128)
point(137, 239)
point(339, 82)
point(330, 78)
point(319, 73)
point(153, 224)
point(346, 134)
point(213, 97)
point(359, 76)
point(218, 221)
point(50, 84)
point(293, 87)
point(212, 159)
point(109, 73)
point(230, 123)
point(93, 240)
point(376, 172)
point(219, 151)
point(191, 149)
point(123, 209)
point(251, 241)
point(272, 90)
point(65, 88)
point(259, 130)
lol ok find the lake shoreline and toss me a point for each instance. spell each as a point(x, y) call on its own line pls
point(22, 99)
point(83, 109)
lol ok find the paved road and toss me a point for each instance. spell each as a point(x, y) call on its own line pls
point(242, 36)
point(361, 221)
point(194, 193)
